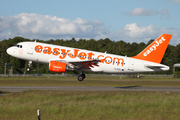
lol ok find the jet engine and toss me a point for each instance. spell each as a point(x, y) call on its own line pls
point(56, 66)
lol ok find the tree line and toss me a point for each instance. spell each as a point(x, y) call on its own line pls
point(172, 54)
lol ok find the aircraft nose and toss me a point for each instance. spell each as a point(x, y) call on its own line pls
point(13, 52)
point(9, 51)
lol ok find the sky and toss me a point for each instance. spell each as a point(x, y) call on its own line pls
point(127, 20)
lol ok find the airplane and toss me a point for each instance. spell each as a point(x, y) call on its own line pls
point(62, 59)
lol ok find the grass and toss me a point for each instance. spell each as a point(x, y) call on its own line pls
point(89, 105)
point(84, 105)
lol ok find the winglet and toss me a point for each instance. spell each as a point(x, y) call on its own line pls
point(155, 51)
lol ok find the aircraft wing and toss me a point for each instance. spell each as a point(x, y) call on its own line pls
point(87, 64)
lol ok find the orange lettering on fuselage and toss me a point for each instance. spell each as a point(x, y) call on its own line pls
point(82, 55)
point(76, 53)
point(64, 53)
point(90, 55)
point(108, 61)
point(56, 51)
point(102, 60)
point(47, 50)
point(38, 48)
point(118, 61)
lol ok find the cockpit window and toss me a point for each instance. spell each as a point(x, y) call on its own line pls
point(19, 46)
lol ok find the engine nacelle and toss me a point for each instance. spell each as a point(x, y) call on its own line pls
point(55, 66)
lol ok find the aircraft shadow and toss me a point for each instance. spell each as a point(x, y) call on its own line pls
point(127, 87)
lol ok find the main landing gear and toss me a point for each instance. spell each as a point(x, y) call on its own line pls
point(81, 77)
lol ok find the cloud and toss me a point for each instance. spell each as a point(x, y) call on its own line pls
point(134, 33)
point(176, 1)
point(144, 12)
point(141, 11)
point(45, 27)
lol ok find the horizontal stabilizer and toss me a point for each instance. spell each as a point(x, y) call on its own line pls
point(154, 67)
point(158, 67)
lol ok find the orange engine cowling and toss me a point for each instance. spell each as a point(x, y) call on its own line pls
point(55, 66)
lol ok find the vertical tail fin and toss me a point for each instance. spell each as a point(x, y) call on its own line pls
point(155, 51)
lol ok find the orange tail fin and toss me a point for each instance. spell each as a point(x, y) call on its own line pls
point(155, 51)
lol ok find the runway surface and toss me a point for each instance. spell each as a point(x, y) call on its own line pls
point(87, 88)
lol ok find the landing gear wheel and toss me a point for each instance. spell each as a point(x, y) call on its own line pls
point(28, 69)
point(81, 77)
point(84, 76)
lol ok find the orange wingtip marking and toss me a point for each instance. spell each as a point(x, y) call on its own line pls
point(155, 51)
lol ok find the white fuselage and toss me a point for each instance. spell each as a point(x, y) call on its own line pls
point(44, 53)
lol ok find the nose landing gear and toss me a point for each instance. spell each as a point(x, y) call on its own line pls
point(29, 65)
point(81, 77)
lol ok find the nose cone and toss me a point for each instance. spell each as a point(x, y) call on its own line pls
point(13, 52)
point(8, 51)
